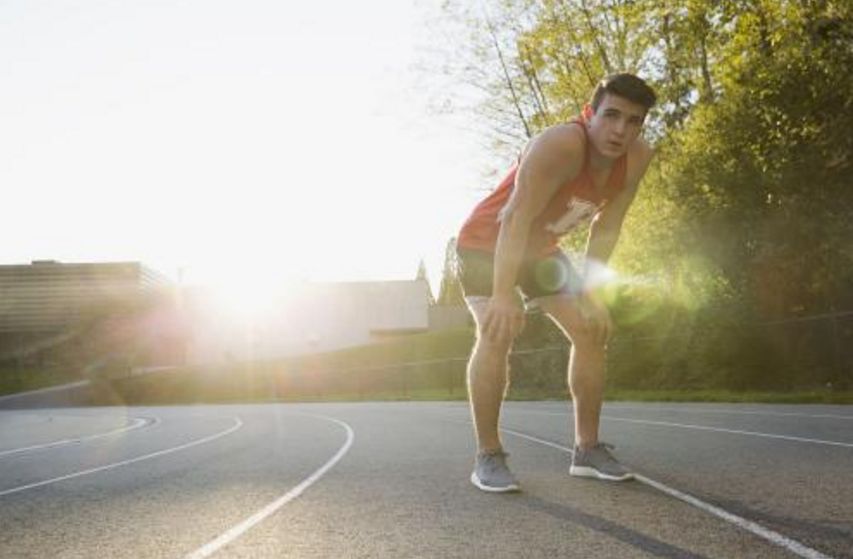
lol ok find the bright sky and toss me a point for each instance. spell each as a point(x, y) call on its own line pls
point(292, 138)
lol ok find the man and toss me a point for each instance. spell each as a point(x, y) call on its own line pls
point(588, 168)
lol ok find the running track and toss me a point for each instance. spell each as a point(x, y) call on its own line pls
point(391, 480)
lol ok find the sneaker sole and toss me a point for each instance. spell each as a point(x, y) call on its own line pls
point(583, 471)
point(491, 489)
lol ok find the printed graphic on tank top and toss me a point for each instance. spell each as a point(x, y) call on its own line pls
point(578, 211)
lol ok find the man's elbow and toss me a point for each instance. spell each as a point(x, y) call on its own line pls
point(515, 217)
point(605, 223)
point(604, 228)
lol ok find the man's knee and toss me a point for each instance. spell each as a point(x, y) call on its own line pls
point(494, 348)
point(584, 334)
point(589, 340)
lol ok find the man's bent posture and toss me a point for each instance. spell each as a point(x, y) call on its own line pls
point(588, 168)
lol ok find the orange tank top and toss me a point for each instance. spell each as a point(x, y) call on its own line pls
point(574, 203)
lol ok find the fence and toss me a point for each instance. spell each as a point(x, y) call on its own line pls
point(800, 353)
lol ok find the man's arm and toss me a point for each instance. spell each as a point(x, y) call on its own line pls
point(553, 158)
point(603, 234)
point(605, 228)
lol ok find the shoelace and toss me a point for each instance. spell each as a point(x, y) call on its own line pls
point(603, 448)
point(493, 460)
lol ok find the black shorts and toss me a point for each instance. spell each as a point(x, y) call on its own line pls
point(539, 277)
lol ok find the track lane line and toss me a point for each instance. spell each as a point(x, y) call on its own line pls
point(732, 431)
point(747, 412)
point(142, 422)
point(702, 428)
point(799, 549)
point(235, 532)
point(730, 412)
point(237, 425)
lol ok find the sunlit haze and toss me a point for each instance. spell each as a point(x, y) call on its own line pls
point(228, 141)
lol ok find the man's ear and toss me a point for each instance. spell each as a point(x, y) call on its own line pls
point(588, 111)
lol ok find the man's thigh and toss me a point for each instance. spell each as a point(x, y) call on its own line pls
point(537, 278)
point(547, 277)
point(564, 310)
point(476, 274)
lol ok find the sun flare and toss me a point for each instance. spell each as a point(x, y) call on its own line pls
point(251, 297)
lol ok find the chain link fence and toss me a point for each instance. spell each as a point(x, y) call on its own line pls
point(813, 352)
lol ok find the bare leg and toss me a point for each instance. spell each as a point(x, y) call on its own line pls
point(586, 367)
point(487, 384)
point(586, 382)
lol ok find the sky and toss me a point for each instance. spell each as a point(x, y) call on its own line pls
point(249, 143)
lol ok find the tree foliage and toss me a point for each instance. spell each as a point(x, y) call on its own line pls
point(450, 291)
point(744, 214)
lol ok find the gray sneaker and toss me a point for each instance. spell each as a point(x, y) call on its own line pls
point(597, 462)
point(492, 474)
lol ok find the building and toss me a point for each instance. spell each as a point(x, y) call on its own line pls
point(313, 317)
point(47, 296)
point(43, 303)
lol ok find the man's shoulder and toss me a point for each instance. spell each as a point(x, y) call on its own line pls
point(567, 139)
point(639, 156)
point(570, 132)
point(641, 151)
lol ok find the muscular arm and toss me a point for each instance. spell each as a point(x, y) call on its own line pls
point(605, 228)
point(553, 158)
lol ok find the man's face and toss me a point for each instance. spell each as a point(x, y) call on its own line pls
point(615, 125)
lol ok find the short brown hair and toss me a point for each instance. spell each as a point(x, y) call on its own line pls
point(624, 85)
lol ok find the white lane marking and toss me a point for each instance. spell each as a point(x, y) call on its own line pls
point(138, 422)
point(652, 407)
point(773, 537)
point(704, 428)
point(733, 431)
point(237, 425)
point(232, 534)
point(742, 412)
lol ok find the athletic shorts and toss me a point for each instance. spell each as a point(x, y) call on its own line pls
point(540, 277)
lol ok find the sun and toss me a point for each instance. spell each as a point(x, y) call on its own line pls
point(251, 296)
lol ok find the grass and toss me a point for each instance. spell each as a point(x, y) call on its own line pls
point(197, 386)
point(13, 381)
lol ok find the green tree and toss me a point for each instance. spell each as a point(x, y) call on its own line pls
point(450, 292)
point(422, 276)
point(744, 215)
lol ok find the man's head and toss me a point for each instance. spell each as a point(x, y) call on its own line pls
point(624, 85)
point(616, 113)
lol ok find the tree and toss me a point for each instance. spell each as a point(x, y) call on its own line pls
point(744, 214)
point(422, 276)
point(450, 292)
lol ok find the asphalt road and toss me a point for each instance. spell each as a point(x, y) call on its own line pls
point(391, 480)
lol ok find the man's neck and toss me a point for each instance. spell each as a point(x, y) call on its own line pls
point(599, 162)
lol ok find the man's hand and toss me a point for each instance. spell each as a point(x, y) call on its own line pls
point(599, 323)
point(503, 320)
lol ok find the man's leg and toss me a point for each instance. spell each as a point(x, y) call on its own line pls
point(586, 382)
point(487, 383)
point(586, 366)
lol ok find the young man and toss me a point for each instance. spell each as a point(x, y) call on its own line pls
point(587, 168)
